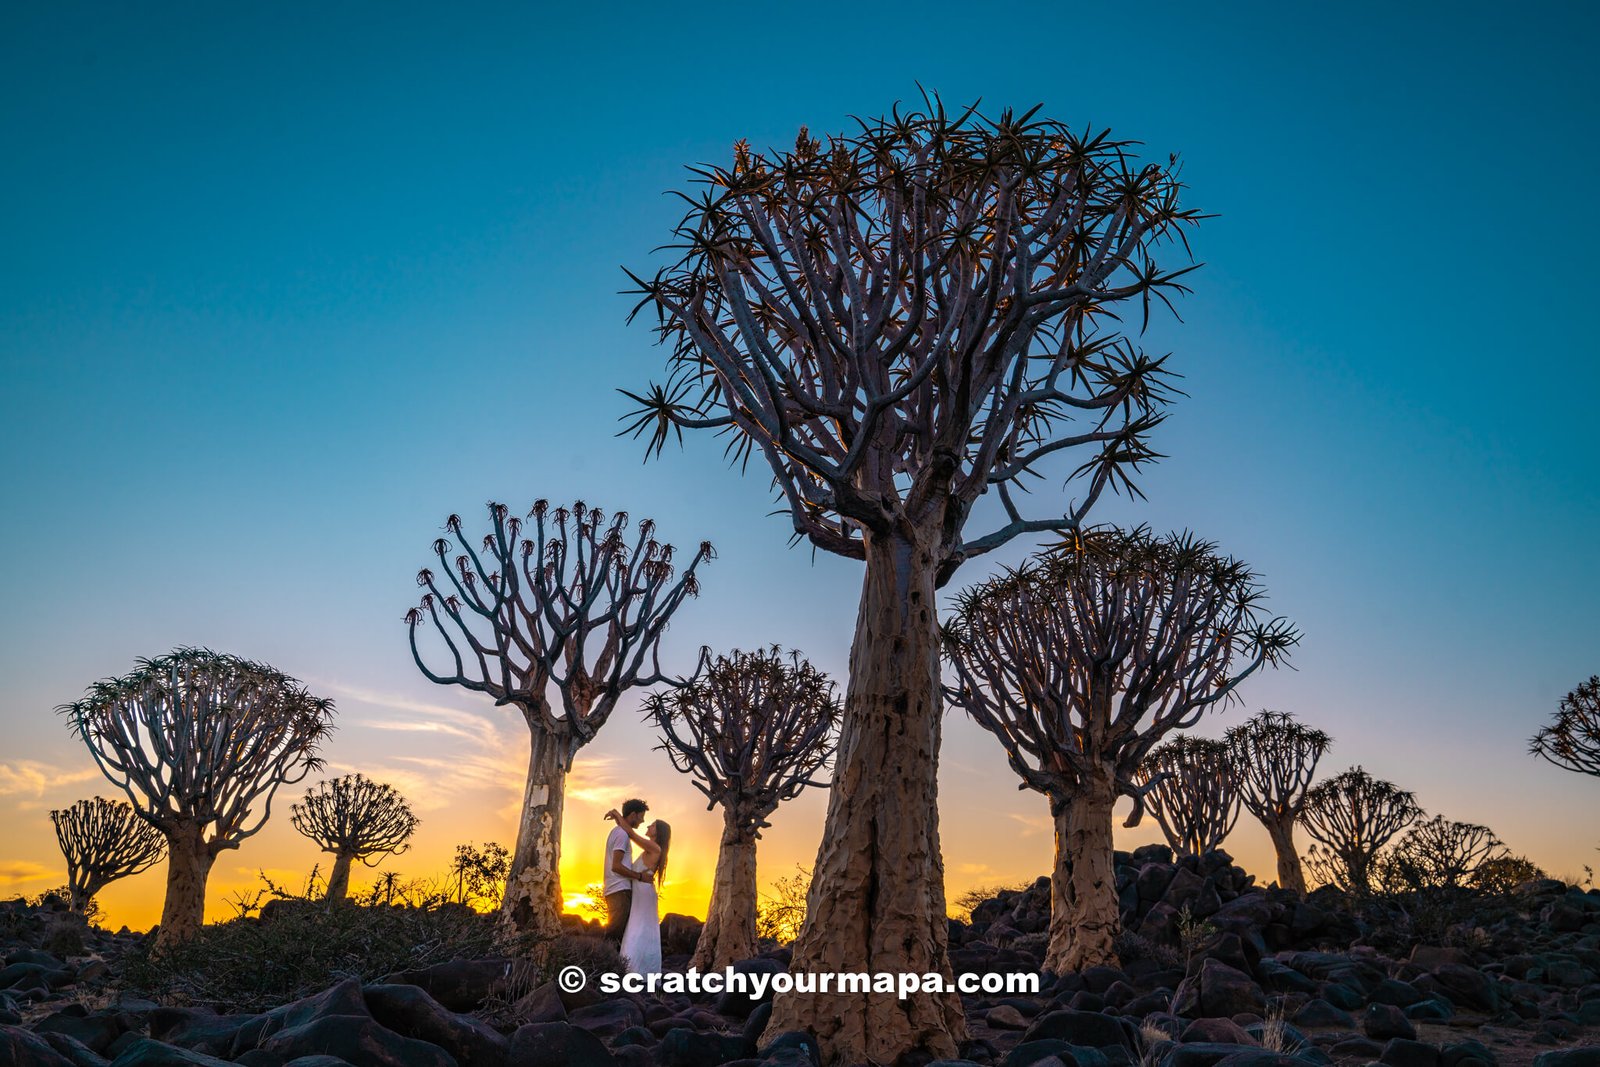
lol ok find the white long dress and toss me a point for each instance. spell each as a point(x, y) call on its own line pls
point(641, 940)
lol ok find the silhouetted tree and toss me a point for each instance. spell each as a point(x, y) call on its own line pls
point(1354, 815)
point(1439, 853)
point(1080, 662)
point(1572, 741)
point(1277, 757)
point(1191, 787)
point(898, 321)
point(754, 729)
point(558, 624)
point(200, 742)
point(354, 818)
point(103, 840)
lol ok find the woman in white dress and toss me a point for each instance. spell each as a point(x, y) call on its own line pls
point(641, 940)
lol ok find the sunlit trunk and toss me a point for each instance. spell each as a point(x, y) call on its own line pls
point(532, 903)
point(188, 867)
point(339, 878)
point(876, 901)
point(1084, 920)
point(1290, 874)
point(730, 930)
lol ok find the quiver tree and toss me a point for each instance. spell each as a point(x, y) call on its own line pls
point(103, 840)
point(1276, 758)
point(1353, 815)
point(1079, 663)
point(200, 742)
point(1439, 853)
point(1572, 741)
point(557, 616)
point(753, 729)
point(898, 321)
point(354, 818)
point(1191, 787)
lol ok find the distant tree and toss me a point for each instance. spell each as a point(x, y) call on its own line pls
point(1501, 874)
point(200, 742)
point(1354, 815)
point(354, 818)
point(1191, 786)
point(103, 841)
point(753, 729)
point(782, 912)
point(1572, 740)
point(1277, 758)
point(478, 875)
point(1080, 663)
point(898, 322)
point(558, 624)
point(1439, 853)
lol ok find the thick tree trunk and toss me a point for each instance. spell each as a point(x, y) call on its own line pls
point(532, 902)
point(876, 901)
point(188, 867)
point(1083, 886)
point(339, 878)
point(730, 930)
point(1291, 875)
point(78, 896)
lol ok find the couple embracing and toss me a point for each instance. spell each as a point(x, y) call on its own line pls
point(630, 886)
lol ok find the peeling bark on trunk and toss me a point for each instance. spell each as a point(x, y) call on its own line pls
point(339, 878)
point(78, 897)
point(532, 902)
point(729, 933)
point(189, 862)
point(1291, 875)
point(1084, 920)
point(877, 892)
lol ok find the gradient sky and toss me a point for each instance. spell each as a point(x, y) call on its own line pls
point(281, 287)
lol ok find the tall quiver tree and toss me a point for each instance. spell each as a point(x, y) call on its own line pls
point(753, 729)
point(1277, 757)
point(1572, 740)
point(1080, 662)
point(103, 841)
point(1191, 787)
point(558, 617)
point(897, 322)
point(354, 818)
point(200, 742)
point(1354, 815)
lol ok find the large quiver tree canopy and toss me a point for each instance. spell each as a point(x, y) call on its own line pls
point(1191, 786)
point(1572, 740)
point(1354, 815)
point(354, 818)
point(200, 742)
point(753, 729)
point(1277, 758)
point(104, 841)
point(558, 616)
point(898, 320)
point(1079, 663)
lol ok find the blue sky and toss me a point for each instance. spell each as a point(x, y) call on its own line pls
point(281, 287)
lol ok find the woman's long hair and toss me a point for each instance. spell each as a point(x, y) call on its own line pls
point(664, 839)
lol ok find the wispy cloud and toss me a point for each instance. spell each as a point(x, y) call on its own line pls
point(973, 868)
point(1032, 824)
point(31, 778)
point(21, 872)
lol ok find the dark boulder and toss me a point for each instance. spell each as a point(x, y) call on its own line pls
point(1219, 991)
point(23, 1048)
point(683, 1047)
point(1403, 1052)
point(1087, 1028)
point(557, 1045)
point(410, 1012)
point(1384, 1021)
point(148, 1053)
point(358, 1039)
point(460, 985)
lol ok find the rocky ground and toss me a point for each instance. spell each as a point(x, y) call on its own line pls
point(1217, 972)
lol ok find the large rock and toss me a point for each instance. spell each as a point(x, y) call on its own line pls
point(557, 1045)
point(1468, 986)
point(1580, 1056)
point(608, 1018)
point(460, 985)
point(1090, 1028)
point(22, 1048)
point(1384, 1021)
point(1218, 991)
point(358, 1039)
point(683, 1047)
point(410, 1012)
point(147, 1053)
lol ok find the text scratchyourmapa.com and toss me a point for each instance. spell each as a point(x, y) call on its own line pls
point(757, 984)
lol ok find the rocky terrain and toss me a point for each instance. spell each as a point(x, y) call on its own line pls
point(1216, 972)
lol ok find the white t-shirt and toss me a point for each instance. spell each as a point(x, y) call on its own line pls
point(618, 839)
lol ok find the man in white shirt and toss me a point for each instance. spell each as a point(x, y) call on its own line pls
point(620, 874)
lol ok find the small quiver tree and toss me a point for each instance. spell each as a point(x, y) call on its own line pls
point(900, 321)
point(557, 617)
point(1191, 787)
point(354, 818)
point(200, 742)
point(1354, 815)
point(753, 729)
point(103, 841)
point(1079, 663)
point(1572, 740)
point(1440, 854)
point(1276, 758)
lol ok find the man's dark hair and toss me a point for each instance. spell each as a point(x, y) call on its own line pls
point(631, 807)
